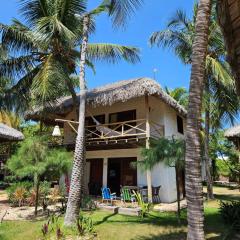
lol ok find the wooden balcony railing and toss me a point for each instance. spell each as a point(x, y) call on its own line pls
point(126, 131)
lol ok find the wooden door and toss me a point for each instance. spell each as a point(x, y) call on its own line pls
point(96, 176)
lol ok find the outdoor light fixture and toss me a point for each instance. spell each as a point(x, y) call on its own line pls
point(56, 131)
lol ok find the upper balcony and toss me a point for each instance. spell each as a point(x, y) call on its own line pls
point(126, 134)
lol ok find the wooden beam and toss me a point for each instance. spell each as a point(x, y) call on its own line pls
point(148, 131)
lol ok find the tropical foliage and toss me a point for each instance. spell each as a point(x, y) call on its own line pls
point(42, 50)
point(34, 160)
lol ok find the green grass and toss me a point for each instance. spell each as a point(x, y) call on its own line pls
point(114, 226)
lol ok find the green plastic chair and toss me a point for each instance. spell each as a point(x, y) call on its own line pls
point(127, 195)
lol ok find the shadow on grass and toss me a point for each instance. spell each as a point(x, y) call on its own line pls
point(228, 197)
point(105, 219)
point(158, 219)
point(169, 236)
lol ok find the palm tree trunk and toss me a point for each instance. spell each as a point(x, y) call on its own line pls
point(206, 145)
point(77, 179)
point(194, 190)
point(178, 195)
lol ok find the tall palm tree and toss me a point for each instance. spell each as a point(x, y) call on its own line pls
point(197, 58)
point(117, 10)
point(219, 84)
point(43, 49)
point(194, 191)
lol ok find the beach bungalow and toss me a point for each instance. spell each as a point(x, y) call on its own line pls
point(7, 135)
point(120, 119)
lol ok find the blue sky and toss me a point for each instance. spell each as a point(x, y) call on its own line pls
point(152, 16)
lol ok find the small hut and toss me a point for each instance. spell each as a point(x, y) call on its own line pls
point(7, 135)
point(229, 19)
point(233, 134)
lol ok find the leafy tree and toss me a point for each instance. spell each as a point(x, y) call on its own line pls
point(221, 102)
point(225, 156)
point(33, 159)
point(171, 152)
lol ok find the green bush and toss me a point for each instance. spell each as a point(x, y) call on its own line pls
point(230, 211)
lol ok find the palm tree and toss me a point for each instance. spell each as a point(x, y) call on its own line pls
point(194, 191)
point(77, 179)
point(219, 84)
point(43, 50)
point(197, 44)
point(180, 94)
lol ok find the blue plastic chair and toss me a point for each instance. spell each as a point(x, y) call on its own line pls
point(107, 195)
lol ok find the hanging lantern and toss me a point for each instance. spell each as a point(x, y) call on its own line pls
point(56, 131)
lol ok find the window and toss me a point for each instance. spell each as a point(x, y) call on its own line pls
point(180, 125)
point(89, 120)
point(123, 117)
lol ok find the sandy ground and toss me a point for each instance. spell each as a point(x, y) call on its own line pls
point(20, 213)
point(27, 213)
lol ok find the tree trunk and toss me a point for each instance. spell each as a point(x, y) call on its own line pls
point(178, 195)
point(36, 183)
point(77, 179)
point(206, 144)
point(194, 190)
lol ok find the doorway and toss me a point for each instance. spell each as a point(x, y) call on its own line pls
point(96, 176)
point(121, 173)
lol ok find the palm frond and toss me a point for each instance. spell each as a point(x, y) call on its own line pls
point(112, 53)
point(120, 11)
point(17, 37)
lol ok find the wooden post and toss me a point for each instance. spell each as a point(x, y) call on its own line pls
point(149, 175)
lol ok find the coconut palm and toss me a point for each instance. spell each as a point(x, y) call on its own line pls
point(117, 10)
point(219, 83)
point(194, 191)
point(43, 49)
point(198, 54)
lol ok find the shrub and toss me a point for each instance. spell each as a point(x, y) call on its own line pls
point(18, 192)
point(84, 225)
point(230, 212)
point(145, 207)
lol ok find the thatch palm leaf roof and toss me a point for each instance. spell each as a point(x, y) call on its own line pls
point(109, 94)
point(9, 134)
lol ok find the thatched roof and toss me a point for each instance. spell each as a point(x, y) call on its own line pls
point(229, 19)
point(109, 94)
point(232, 132)
point(9, 134)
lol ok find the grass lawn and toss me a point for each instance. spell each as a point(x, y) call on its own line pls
point(155, 226)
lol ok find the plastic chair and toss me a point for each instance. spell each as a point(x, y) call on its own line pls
point(107, 195)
